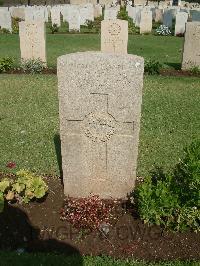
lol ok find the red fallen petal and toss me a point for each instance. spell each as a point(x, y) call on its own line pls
point(11, 165)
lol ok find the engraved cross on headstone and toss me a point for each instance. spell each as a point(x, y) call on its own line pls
point(100, 126)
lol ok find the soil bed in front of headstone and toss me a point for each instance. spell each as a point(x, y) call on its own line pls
point(37, 227)
point(163, 72)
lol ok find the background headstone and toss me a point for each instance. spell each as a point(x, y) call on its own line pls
point(32, 40)
point(159, 15)
point(55, 16)
point(191, 52)
point(181, 19)
point(110, 13)
point(74, 20)
point(167, 18)
point(114, 36)
point(146, 21)
point(5, 20)
point(100, 98)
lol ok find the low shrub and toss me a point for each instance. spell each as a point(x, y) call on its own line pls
point(6, 63)
point(163, 30)
point(123, 15)
point(94, 25)
point(187, 176)
point(152, 67)
point(54, 28)
point(87, 213)
point(15, 25)
point(32, 66)
point(173, 201)
point(4, 31)
point(195, 70)
point(26, 187)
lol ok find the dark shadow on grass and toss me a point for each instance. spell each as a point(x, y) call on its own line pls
point(17, 233)
point(176, 66)
point(57, 143)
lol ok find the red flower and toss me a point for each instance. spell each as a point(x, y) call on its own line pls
point(11, 165)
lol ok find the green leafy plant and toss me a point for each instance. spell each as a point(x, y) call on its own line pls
point(187, 176)
point(6, 63)
point(195, 70)
point(173, 201)
point(15, 25)
point(123, 14)
point(54, 28)
point(32, 66)
point(152, 67)
point(4, 31)
point(27, 186)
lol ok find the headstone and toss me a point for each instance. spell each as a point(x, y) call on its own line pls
point(18, 12)
point(74, 20)
point(86, 13)
point(29, 14)
point(167, 18)
point(159, 15)
point(191, 52)
point(100, 109)
point(195, 15)
point(110, 13)
point(97, 11)
point(114, 36)
point(105, 2)
point(140, 2)
point(181, 19)
point(32, 40)
point(55, 16)
point(146, 22)
point(5, 20)
point(138, 16)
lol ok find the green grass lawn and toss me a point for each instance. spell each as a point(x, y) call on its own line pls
point(166, 49)
point(9, 259)
point(29, 121)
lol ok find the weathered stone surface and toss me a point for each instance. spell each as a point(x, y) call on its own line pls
point(191, 52)
point(146, 21)
point(181, 19)
point(100, 98)
point(114, 36)
point(32, 40)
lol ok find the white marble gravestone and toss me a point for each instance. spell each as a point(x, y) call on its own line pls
point(100, 109)
point(74, 20)
point(191, 52)
point(146, 21)
point(114, 36)
point(181, 20)
point(5, 20)
point(32, 40)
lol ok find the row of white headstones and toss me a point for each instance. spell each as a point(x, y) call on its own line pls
point(77, 15)
point(114, 39)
